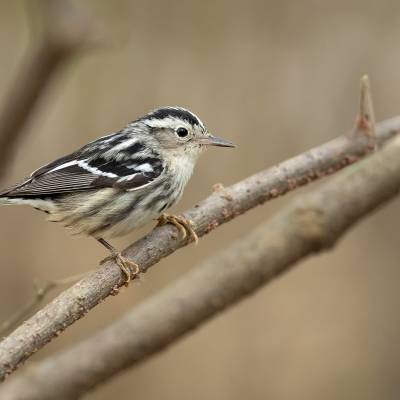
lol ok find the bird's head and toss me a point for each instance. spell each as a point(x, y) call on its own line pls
point(179, 131)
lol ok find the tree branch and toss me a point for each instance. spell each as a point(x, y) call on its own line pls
point(313, 222)
point(65, 31)
point(220, 207)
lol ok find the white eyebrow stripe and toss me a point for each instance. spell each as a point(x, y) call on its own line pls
point(166, 122)
point(169, 122)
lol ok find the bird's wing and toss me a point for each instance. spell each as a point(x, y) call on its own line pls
point(81, 171)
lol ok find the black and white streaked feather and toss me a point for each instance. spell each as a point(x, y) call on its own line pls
point(119, 181)
point(129, 168)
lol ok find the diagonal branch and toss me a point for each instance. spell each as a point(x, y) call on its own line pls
point(65, 31)
point(220, 207)
point(313, 222)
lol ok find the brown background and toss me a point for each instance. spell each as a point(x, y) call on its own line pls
point(276, 78)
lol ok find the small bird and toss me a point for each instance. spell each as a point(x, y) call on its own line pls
point(121, 181)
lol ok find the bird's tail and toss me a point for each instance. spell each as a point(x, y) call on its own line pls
point(6, 199)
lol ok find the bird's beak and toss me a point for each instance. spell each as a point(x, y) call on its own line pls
point(216, 141)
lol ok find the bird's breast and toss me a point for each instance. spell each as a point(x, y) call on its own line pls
point(181, 168)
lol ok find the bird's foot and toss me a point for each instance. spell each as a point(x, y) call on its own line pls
point(129, 268)
point(184, 225)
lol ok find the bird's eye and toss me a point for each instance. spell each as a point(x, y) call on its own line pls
point(182, 132)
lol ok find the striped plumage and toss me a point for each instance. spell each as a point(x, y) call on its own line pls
point(121, 181)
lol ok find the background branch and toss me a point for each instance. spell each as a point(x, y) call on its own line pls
point(41, 291)
point(220, 207)
point(65, 30)
point(313, 222)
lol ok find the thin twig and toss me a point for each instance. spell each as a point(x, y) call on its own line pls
point(312, 223)
point(65, 31)
point(41, 291)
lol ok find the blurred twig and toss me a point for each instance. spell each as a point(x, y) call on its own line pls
point(220, 207)
point(41, 291)
point(65, 30)
point(313, 222)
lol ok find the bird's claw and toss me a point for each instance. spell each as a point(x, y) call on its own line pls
point(183, 224)
point(129, 268)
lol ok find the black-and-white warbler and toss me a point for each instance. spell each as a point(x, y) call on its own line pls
point(121, 181)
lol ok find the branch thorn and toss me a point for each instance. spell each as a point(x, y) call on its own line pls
point(365, 121)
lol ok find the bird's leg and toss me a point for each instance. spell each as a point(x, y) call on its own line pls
point(183, 224)
point(127, 267)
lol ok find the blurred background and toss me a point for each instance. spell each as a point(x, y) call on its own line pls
point(276, 78)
